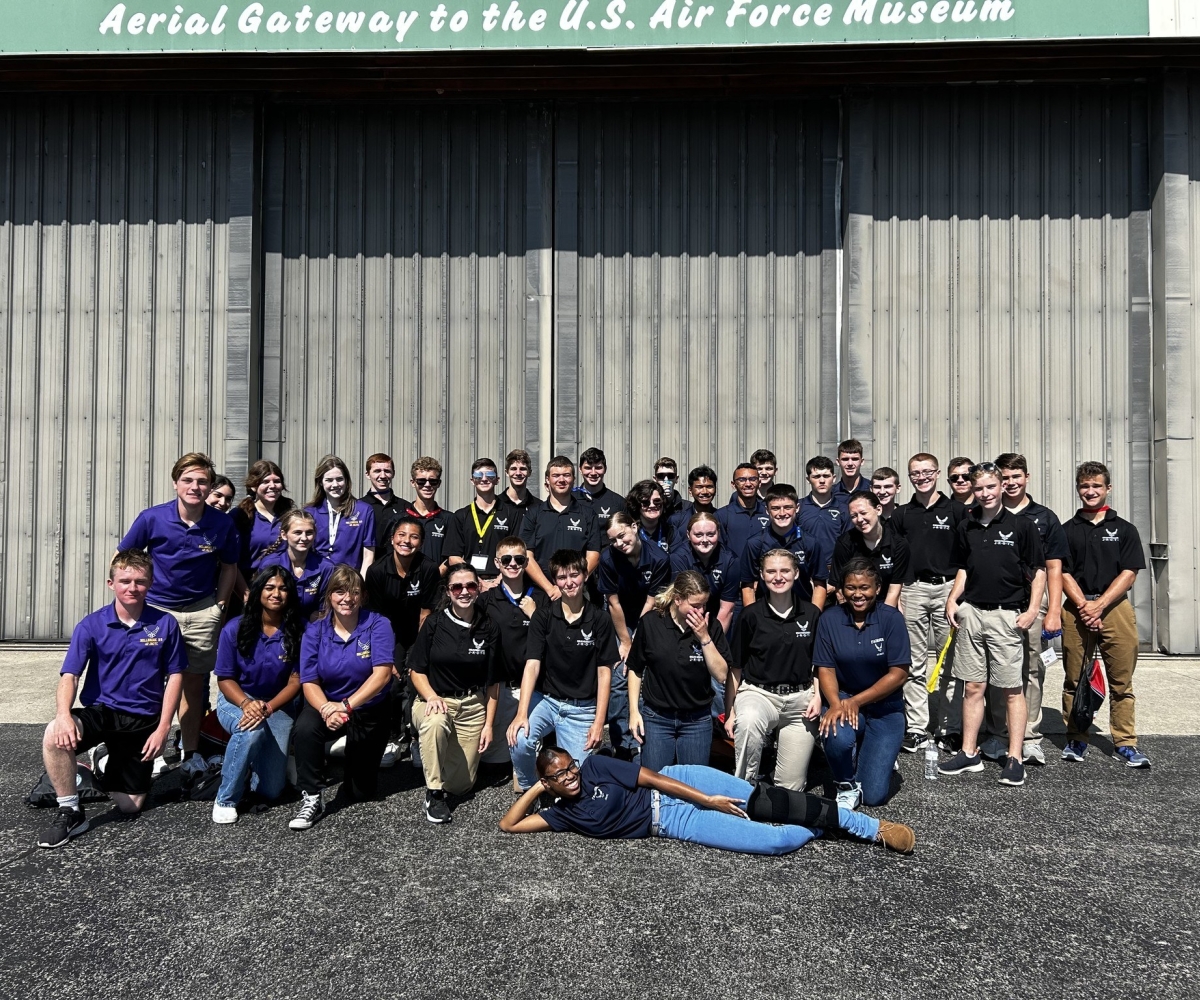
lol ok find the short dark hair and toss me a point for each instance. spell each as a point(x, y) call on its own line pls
point(193, 460)
point(1090, 470)
point(565, 560)
point(593, 456)
point(666, 462)
point(819, 462)
point(744, 465)
point(219, 481)
point(1012, 460)
point(702, 472)
point(883, 472)
point(781, 491)
point(400, 522)
point(482, 463)
point(764, 455)
point(547, 754)
point(639, 495)
point(959, 460)
point(862, 566)
point(850, 446)
point(518, 455)
point(560, 462)
point(867, 495)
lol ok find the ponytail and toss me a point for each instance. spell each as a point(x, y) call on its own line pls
point(689, 583)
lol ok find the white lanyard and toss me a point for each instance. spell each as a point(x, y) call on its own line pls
point(335, 519)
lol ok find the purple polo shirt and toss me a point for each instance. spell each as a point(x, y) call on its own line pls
point(310, 585)
point(356, 531)
point(265, 673)
point(259, 537)
point(341, 666)
point(129, 664)
point(187, 561)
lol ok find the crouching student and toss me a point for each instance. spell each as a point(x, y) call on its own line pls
point(564, 690)
point(134, 659)
point(258, 677)
point(346, 672)
point(613, 799)
point(454, 670)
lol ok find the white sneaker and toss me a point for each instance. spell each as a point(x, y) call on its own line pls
point(994, 748)
point(339, 747)
point(849, 794)
point(309, 812)
point(160, 767)
point(390, 753)
point(1032, 752)
point(224, 814)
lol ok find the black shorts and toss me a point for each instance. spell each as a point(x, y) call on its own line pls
point(124, 734)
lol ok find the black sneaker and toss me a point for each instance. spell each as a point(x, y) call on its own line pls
point(437, 809)
point(1013, 772)
point(914, 742)
point(67, 823)
point(961, 763)
point(950, 742)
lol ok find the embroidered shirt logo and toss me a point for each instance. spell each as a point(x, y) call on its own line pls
point(802, 630)
point(575, 524)
point(696, 656)
point(664, 545)
point(312, 586)
point(206, 544)
point(364, 649)
point(943, 523)
point(353, 520)
point(764, 521)
point(606, 512)
point(878, 644)
point(1005, 539)
point(1110, 535)
point(414, 589)
point(502, 524)
point(151, 637)
point(585, 639)
point(646, 574)
point(885, 562)
point(835, 513)
point(599, 793)
point(477, 647)
point(716, 575)
point(439, 530)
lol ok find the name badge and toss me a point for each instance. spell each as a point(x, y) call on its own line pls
point(479, 562)
point(1050, 656)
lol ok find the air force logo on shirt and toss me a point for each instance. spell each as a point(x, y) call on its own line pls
point(1005, 539)
point(414, 589)
point(585, 639)
point(646, 574)
point(477, 647)
point(151, 638)
point(1110, 535)
point(942, 523)
point(439, 530)
point(696, 656)
point(885, 562)
point(878, 644)
point(599, 793)
point(502, 525)
point(834, 513)
point(606, 512)
point(206, 544)
point(716, 575)
point(312, 586)
point(802, 630)
point(364, 649)
point(764, 521)
point(576, 524)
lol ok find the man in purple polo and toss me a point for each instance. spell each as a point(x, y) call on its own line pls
point(134, 659)
point(194, 552)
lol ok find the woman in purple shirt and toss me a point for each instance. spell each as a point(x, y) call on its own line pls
point(258, 678)
point(258, 517)
point(346, 662)
point(345, 526)
point(306, 566)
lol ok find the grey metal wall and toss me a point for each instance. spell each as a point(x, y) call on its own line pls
point(406, 282)
point(997, 284)
point(114, 251)
point(696, 282)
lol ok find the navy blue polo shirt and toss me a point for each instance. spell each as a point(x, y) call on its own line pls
point(129, 664)
point(862, 656)
point(1054, 539)
point(310, 584)
point(263, 674)
point(356, 531)
point(739, 524)
point(863, 485)
point(720, 571)
point(545, 530)
point(821, 528)
point(633, 584)
point(186, 560)
point(604, 503)
point(677, 523)
point(341, 666)
point(751, 564)
point(610, 805)
point(661, 539)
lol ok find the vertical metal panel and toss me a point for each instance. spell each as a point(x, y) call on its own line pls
point(996, 275)
point(112, 230)
point(704, 238)
point(396, 295)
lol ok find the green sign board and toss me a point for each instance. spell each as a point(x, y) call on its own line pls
point(102, 26)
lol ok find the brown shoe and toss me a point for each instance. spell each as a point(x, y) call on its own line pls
point(897, 836)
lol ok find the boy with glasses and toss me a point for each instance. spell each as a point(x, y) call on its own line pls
point(474, 531)
point(666, 474)
point(744, 517)
point(517, 467)
point(425, 479)
point(559, 523)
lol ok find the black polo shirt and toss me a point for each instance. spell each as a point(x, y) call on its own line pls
point(929, 532)
point(671, 663)
point(546, 530)
point(632, 584)
point(1000, 559)
point(1054, 541)
point(435, 530)
point(401, 599)
point(571, 652)
point(1098, 553)
point(455, 657)
point(507, 616)
point(475, 547)
point(385, 515)
point(890, 557)
point(774, 650)
point(531, 500)
point(604, 503)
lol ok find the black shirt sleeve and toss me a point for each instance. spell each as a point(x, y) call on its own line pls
point(901, 564)
point(418, 656)
point(1131, 554)
point(594, 542)
point(961, 551)
point(454, 543)
point(636, 660)
point(1031, 547)
point(535, 646)
point(607, 652)
point(743, 639)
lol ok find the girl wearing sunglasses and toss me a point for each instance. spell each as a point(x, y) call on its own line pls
point(455, 671)
point(647, 503)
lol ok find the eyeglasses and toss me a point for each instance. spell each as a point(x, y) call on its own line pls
point(653, 505)
point(959, 478)
point(484, 475)
point(513, 560)
point(746, 479)
point(469, 587)
point(924, 474)
point(428, 482)
point(570, 769)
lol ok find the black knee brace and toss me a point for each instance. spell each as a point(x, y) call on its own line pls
point(772, 804)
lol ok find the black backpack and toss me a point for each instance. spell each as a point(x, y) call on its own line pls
point(43, 795)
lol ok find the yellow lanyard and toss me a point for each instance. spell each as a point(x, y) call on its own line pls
point(486, 524)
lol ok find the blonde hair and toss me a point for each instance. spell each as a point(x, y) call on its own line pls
point(687, 584)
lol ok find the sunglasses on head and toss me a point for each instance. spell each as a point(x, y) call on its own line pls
point(469, 587)
point(984, 467)
point(428, 482)
point(513, 560)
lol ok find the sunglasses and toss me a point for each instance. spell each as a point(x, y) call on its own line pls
point(513, 560)
point(959, 478)
point(470, 587)
point(484, 475)
point(664, 478)
point(653, 505)
point(428, 482)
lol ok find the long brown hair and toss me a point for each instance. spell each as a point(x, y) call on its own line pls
point(318, 500)
point(254, 477)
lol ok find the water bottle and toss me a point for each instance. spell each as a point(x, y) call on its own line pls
point(931, 760)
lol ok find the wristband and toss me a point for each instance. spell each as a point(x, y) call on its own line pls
point(706, 642)
point(346, 703)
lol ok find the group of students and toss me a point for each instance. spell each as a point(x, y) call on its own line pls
point(522, 631)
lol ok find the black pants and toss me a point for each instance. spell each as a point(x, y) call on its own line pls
point(366, 736)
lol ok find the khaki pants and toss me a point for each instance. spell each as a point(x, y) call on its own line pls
point(1118, 642)
point(924, 607)
point(757, 713)
point(450, 742)
point(200, 626)
point(1033, 673)
point(506, 710)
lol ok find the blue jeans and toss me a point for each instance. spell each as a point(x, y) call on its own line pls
point(618, 712)
point(262, 750)
point(675, 737)
point(681, 820)
point(867, 754)
point(568, 720)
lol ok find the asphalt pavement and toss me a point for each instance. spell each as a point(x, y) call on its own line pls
point(1077, 885)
